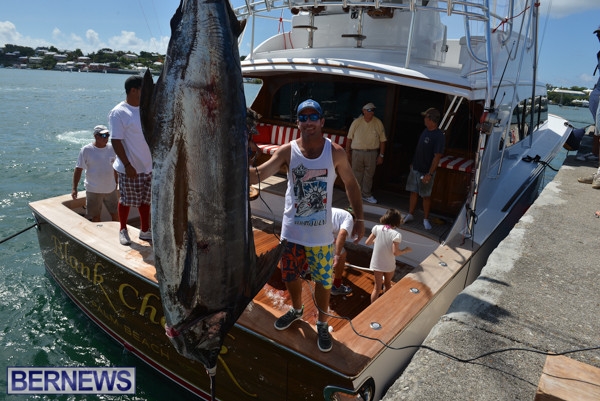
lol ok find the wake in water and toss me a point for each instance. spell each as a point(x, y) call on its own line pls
point(79, 137)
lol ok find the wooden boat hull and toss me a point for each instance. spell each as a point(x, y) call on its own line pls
point(127, 306)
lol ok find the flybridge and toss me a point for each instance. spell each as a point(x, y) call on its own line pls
point(401, 32)
point(472, 9)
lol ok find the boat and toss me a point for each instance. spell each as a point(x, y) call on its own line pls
point(396, 54)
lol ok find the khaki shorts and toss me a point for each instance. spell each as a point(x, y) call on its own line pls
point(94, 202)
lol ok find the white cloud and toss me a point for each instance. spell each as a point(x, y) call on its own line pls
point(564, 8)
point(9, 34)
point(93, 41)
point(128, 41)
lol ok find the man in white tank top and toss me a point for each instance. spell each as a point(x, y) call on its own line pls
point(312, 162)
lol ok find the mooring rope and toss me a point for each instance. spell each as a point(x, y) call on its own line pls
point(20, 232)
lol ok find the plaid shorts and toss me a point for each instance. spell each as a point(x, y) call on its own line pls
point(316, 260)
point(135, 191)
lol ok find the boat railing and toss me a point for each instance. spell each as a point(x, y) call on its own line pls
point(472, 11)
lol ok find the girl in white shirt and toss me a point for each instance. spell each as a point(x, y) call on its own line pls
point(387, 241)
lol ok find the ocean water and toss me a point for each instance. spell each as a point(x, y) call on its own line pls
point(45, 118)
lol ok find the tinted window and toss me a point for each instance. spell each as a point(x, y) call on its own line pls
point(340, 101)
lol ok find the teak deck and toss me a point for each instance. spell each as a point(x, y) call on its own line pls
point(344, 306)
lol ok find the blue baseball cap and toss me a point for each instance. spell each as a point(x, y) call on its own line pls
point(310, 104)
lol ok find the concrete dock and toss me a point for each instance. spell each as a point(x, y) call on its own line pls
point(539, 293)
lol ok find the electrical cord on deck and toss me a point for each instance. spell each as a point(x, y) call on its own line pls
point(444, 353)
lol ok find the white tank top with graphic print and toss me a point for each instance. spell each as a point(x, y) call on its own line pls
point(307, 212)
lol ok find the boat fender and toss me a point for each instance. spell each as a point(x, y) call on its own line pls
point(574, 139)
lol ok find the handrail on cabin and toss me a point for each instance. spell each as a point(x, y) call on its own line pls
point(477, 11)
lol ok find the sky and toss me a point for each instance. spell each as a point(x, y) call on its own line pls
point(567, 55)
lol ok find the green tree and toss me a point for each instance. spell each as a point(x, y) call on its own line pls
point(75, 54)
point(48, 63)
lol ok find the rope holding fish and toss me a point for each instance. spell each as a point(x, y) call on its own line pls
point(212, 374)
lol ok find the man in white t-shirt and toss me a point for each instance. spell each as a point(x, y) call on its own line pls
point(343, 223)
point(134, 161)
point(100, 183)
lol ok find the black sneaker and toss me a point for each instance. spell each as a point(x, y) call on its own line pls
point(341, 290)
point(290, 317)
point(323, 337)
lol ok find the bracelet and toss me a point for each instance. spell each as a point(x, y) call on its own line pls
point(380, 155)
point(257, 175)
point(358, 220)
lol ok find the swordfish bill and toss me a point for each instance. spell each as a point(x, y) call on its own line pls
point(194, 121)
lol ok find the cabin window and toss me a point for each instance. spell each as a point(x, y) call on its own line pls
point(523, 115)
point(341, 102)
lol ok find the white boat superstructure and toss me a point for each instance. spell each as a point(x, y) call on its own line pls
point(402, 37)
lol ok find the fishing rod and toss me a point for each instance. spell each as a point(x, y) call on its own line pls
point(19, 233)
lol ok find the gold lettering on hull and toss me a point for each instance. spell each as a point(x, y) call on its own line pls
point(128, 294)
point(145, 304)
point(138, 337)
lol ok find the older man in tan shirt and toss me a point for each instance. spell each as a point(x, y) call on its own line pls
point(366, 149)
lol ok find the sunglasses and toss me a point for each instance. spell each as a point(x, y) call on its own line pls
point(312, 117)
point(370, 110)
point(103, 135)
